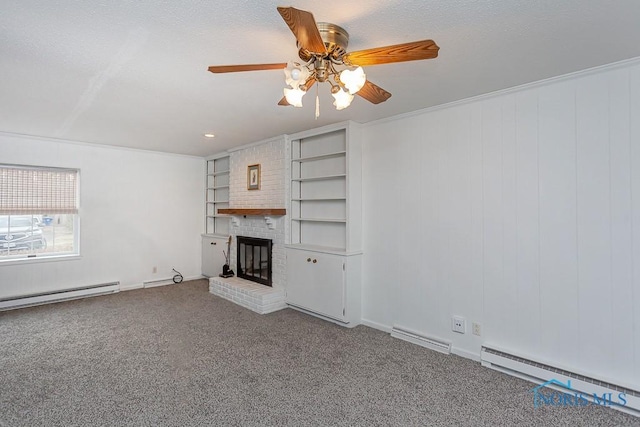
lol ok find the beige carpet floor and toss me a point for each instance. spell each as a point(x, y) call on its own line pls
point(179, 356)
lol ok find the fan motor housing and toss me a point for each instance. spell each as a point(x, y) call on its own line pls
point(335, 38)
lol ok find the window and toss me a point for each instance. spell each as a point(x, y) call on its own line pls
point(38, 212)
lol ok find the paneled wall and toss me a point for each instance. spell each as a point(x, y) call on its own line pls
point(519, 211)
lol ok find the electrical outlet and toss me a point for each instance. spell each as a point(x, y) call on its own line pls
point(155, 270)
point(458, 324)
point(476, 329)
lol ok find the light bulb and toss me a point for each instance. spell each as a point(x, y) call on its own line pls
point(353, 80)
point(294, 96)
point(342, 99)
point(295, 75)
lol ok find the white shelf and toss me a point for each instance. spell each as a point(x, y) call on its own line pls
point(319, 188)
point(217, 181)
point(320, 157)
point(319, 184)
point(319, 199)
point(320, 219)
point(319, 178)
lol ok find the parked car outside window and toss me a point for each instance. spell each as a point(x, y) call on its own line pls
point(21, 232)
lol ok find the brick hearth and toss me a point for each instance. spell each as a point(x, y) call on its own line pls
point(256, 297)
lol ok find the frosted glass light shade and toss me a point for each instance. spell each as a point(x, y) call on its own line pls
point(342, 99)
point(295, 75)
point(353, 80)
point(294, 96)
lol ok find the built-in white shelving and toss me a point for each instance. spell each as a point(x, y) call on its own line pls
point(320, 219)
point(319, 181)
point(317, 199)
point(319, 178)
point(320, 157)
point(217, 196)
point(324, 250)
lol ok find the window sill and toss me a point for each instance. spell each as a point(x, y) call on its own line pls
point(51, 258)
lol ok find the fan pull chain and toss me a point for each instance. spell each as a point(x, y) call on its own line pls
point(317, 103)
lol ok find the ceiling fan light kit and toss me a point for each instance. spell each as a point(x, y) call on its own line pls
point(295, 74)
point(342, 99)
point(322, 47)
point(294, 96)
point(353, 80)
point(300, 77)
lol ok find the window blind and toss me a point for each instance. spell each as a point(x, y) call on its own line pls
point(35, 190)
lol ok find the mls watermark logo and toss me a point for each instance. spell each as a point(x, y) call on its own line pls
point(569, 397)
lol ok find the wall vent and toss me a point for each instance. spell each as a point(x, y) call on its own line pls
point(536, 372)
point(432, 343)
point(58, 296)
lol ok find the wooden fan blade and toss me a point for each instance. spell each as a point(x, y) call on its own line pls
point(216, 69)
point(424, 49)
point(303, 26)
point(310, 82)
point(373, 93)
point(283, 102)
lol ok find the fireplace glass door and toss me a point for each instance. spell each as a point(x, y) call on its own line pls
point(254, 259)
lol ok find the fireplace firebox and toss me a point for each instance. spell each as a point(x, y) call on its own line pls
point(254, 259)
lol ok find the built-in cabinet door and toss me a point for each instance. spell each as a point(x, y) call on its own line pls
point(212, 256)
point(315, 282)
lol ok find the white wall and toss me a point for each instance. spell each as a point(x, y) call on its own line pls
point(138, 210)
point(519, 211)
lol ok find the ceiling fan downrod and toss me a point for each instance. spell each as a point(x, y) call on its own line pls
point(322, 69)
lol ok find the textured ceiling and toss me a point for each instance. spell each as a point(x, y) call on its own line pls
point(135, 74)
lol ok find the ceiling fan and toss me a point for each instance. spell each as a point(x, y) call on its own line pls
point(322, 48)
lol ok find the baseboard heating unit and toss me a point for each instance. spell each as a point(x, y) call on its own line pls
point(159, 282)
point(57, 296)
point(565, 381)
point(432, 343)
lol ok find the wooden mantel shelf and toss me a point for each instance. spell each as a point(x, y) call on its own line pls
point(255, 212)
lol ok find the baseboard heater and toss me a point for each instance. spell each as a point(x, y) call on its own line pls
point(158, 282)
point(57, 296)
point(540, 373)
point(432, 343)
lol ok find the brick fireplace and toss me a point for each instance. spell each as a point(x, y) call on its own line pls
point(271, 155)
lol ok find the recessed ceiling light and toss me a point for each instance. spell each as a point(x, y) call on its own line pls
point(209, 135)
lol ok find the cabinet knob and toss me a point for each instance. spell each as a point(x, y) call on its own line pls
point(214, 243)
point(315, 260)
point(308, 259)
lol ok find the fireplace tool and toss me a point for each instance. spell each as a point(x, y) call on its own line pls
point(226, 270)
